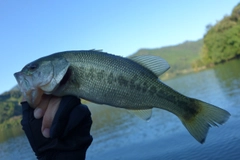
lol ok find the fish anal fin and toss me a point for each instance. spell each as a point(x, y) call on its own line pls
point(154, 63)
point(143, 113)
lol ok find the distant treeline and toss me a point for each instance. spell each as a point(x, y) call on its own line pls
point(222, 41)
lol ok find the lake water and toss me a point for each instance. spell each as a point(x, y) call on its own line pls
point(119, 135)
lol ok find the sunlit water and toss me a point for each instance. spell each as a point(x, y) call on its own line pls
point(119, 135)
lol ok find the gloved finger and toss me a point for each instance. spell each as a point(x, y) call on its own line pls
point(49, 115)
point(62, 116)
point(80, 115)
point(26, 112)
point(42, 106)
point(77, 132)
point(32, 127)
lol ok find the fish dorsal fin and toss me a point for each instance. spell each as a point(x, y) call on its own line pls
point(154, 63)
point(98, 50)
point(143, 113)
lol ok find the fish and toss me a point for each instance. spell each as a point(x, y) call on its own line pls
point(132, 83)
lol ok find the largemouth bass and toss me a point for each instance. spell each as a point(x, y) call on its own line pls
point(130, 83)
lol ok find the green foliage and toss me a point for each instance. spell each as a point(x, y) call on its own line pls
point(10, 128)
point(222, 41)
point(9, 105)
point(11, 122)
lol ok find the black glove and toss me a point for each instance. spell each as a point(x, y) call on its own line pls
point(69, 134)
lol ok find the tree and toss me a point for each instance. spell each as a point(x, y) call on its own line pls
point(222, 41)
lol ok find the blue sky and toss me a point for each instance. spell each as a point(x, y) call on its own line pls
point(32, 29)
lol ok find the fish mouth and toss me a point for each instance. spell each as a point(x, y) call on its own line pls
point(22, 82)
point(30, 93)
point(18, 76)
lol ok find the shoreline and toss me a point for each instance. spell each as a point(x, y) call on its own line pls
point(175, 74)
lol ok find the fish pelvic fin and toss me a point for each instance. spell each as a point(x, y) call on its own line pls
point(207, 116)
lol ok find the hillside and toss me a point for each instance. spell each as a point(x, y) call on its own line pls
point(180, 57)
point(9, 105)
point(10, 114)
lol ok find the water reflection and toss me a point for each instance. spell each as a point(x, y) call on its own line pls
point(121, 128)
point(229, 79)
point(219, 86)
point(229, 74)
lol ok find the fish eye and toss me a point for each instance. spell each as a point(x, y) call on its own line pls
point(33, 66)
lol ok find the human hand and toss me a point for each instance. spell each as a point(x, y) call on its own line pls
point(69, 132)
point(47, 109)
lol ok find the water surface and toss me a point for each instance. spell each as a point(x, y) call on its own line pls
point(119, 135)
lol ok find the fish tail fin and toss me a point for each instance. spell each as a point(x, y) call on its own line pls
point(207, 116)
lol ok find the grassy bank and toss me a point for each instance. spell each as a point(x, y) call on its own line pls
point(10, 128)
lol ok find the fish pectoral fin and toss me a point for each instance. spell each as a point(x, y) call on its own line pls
point(143, 113)
point(154, 63)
